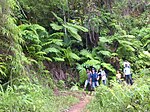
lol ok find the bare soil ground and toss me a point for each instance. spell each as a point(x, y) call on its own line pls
point(79, 107)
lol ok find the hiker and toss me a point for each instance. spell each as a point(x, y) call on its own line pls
point(118, 77)
point(88, 78)
point(103, 76)
point(126, 63)
point(94, 78)
point(127, 74)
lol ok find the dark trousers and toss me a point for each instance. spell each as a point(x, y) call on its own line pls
point(128, 79)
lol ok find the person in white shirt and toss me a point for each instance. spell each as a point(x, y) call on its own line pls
point(103, 76)
point(126, 63)
point(127, 74)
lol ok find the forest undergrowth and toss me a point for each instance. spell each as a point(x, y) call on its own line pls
point(46, 46)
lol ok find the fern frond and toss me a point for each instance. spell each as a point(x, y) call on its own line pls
point(58, 42)
point(56, 27)
point(147, 42)
point(58, 59)
point(78, 27)
point(46, 43)
point(40, 53)
point(124, 43)
point(52, 49)
point(109, 67)
point(86, 53)
point(58, 18)
point(91, 62)
point(104, 40)
point(128, 36)
point(105, 53)
point(57, 35)
point(74, 56)
point(73, 31)
point(47, 58)
point(32, 60)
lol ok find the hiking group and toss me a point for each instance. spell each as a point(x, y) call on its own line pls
point(94, 77)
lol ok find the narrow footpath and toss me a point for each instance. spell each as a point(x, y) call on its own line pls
point(79, 107)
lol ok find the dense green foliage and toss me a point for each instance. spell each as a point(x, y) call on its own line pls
point(28, 97)
point(45, 44)
point(120, 98)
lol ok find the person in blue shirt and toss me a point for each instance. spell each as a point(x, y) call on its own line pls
point(94, 78)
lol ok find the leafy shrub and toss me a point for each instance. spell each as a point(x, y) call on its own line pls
point(29, 97)
point(121, 98)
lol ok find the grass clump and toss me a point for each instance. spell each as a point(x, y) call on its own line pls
point(122, 98)
point(29, 97)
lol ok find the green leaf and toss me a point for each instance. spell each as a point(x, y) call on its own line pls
point(128, 36)
point(56, 27)
point(74, 56)
point(57, 35)
point(86, 53)
point(104, 40)
point(78, 27)
point(125, 42)
point(46, 43)
point(109, 67)
point(91, 62)
point(105, 53)
point(52, 49)
point(114, 54)
point(147, 42)
point(73, 31)
point(40, 53)
point(58, 18)
point(58, 42)
point(47, 58)
point(146, 53)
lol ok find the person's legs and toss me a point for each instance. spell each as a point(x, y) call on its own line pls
point(97, 84)
point(86, 83)
point(93, 84)
point(104, 82)
point(130, 78)
point(127, 79)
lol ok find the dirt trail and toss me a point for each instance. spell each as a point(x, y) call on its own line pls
point(81, 105)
